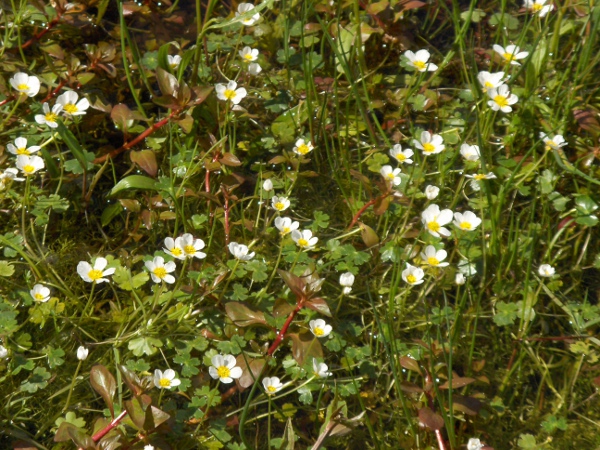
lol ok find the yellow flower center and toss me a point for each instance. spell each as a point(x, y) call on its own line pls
point(39, 296)
point(176, 251)
point(465, 226)
point(400, 156)
point(23, 87)
point(229, 94)
point(223, 372)
point(318, 331)
point(248, 57)
point(428, 147)
point(271, 389)
point(550, 145)
point(479, 177)
point(509, 56)
point(433, 261)
point(501, 101)
point(23, 151)
point(303, 149)
point(50, 117)
point(420, 65)
point(28, 168)
point(488, 85)
point(279, 206)
point(411, 279)
point(160, 272)
point(95, 274)
point(302, 242)
point(537, 7)
point(433, 226)
point(285, 230)
point(70, 108)
point(174, 65)
point(390, 176)
point(164, 382)
point(189, 249)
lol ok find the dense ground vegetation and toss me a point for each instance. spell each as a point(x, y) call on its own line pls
point(299, 224)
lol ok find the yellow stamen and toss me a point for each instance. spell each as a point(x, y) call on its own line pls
point(23, 151)
point(271, 389)
point(433, 226)
point(400, 156)
point(479, 177)
point(223, 372)
point(229, 94)
point(303, 149)
point(50, 117)
point(465, 226)
point(164, 382)
point(318, 331)
point(23, 87)
point(432, 261)
point(509, 56)
point(428, 147)
point(189, 249)
point(279, 206)
point(501, 101)
point(411, 279)
point(95, 274)
point(176, 251)
point(420, 65)
point(39, 296)
point(160, 272)
point(302, 242)
point(71, 108)
point(28, 168)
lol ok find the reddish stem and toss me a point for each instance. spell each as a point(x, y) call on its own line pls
point(104, 431)
point(54, 91)
point(37, 37)
point(226, 214)
point(364, 208)
point(285, 327)
point(8, 99)
point(138, 139)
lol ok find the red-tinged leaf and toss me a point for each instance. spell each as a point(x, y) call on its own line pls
point(412, 5)
point(377, 7)
point(184, 94)
point(229, 159)
point(131, 379)
point(62, 434)
point(282, 308)
point(167, 82)
point(109, 69)
point(320, 305)
point(122, 116)
point(308, 174)
point(136, 411)
point(68, 431)
point(130, 204)
point(166, 101)
point(596, 381)
point(100, 424)
point(483, 379)
point(478, 366)
point(242, 315)
point(296, 284)
point(54, 50)
point(382, 205)
point(111, 441)
point(186, 123)
point(468, 405)
point(146, 159)
point(587, 119)
point(278, 160)
point(213, 198)
point(312, 27)
point(104, 384)
point(201, 93)
point(368, 235)
point(457, 382)
point(85, 77)
point(410, 364)
point(430, 419)
point(406, 386)
point(252, 368)
point(305, 347)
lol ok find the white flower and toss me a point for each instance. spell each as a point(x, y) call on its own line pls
point(490, 80)
point(320, 370)
point(474, 444)
point(8, 176)
point(244, 8)
point(551, 143)
point(511, 53)
point(434, 220)
point(434, 257)
point(402, 156)
point(191, 247)
point(419, 60)
point(467, 221)
point(94, 274)
point(82, 353)
point(391, 175)
point(320, 328)
point(254, 69)
point(29, 164)
point(430, 144)
point(538, 7)
point(470, 152)
point(230, 92)
point(20, 147)
point(40, 293)
point(3, 352)
point(159, 271)
point(49, 117)
point(482, 176)
point(346, 281)
point(280, 203)
point(173, 248)
point(249, 54)
point(272, 385)
point(267, 185)
point(467, 268)
point(459, 279)
point(302, 147)
point(148, 447)
point(413, 275)
point(304, 239)
point(431, 192)
point(240, 251)
point(501, 99)
point(174, 61)
point(166, 379)
point(546, 270)
point(70, 105)
point(25, 84)
point(285, 225)
point(224, 368)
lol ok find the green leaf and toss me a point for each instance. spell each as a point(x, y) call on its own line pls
point(125, 281)
point(8, 324)
point(585, 205)
point(73, 144)
point(38, 380)
point(55, 356)
point(144, 346)
point(6, 269)
point(71, 418)
point(134, 182)
point(526, 441)
point(506, 313)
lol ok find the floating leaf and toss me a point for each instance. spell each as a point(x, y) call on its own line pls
point(242, 315)
point(457, 382)
point(104, 384)
point(6, 269)
point(252, 368)
point(410, 363)
point(318, 304)
point(146, 159)
point(430, 419)
point(305, 347)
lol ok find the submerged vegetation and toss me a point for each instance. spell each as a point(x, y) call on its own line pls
point(299, 224)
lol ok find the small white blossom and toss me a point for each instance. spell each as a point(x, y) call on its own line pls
point(467, 221)
point(433, 257)
point(254, 69)
point(511, 53)
point(272, 385)
point(173, 247)
point(174, 61)
point(346, 281)
point(320, 328)
point(470, 152)
point(303, 147)
point(25, 84)
point(95, 273)
point(29, 164)
point(490, 80)
point(70, 105)
point(553, 143)
point(540, 7)
point(430, 144)
point(402, 156)
point(431, 192)
point(474, 444)
point(249, 54)
point(482, 176)
point(280, 203)
point(413, 275)
point(20, 147)
point(148, 447)
point(546, 270)
point(40, 293)
point(285, 225)
point(419, 60)
point(191, 246)
point(267, 185)
point(320, 370)
point(391, 175)
point(224, 368)
point(82, 353)
point(304, 239)
point(3, 352)
point(459, 279)
point(159, 270)
point(166, 379)
point(240, 251)
point(230, 92)
point(244, 8)
point(434, 220)
point(49, 117)
point(501, 99)
point(8, 175)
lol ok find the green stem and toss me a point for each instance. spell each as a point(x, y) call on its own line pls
point(72, 386)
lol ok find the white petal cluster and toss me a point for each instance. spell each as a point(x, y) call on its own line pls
point(419, 61)
point(430, 144)
point(240, 251)
point(224, 368)
point(230, 92)
point(95, 273)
